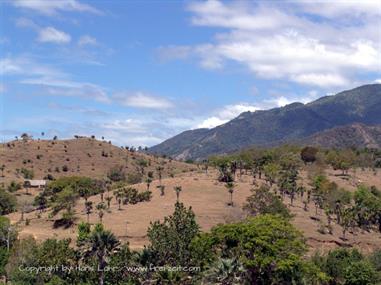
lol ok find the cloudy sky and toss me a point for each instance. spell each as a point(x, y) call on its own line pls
point(138, 72)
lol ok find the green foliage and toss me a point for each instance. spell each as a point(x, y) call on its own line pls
point(269, 248)
point(170, 240)
point(116, 174)
point(347, 267)
point(14, 186)
point(134, 178)
point(368, 207)
point(308, 154)
point(83, 233)
point(359, 273)
point(27, 173)
point(262, 201)
point(8, 202)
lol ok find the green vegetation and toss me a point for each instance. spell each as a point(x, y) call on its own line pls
point(7, 202)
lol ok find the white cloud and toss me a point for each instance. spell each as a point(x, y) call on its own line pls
point(225, 114)
point(229, 112)
point(52, 35)
point(54, 81)
point(52, 7)
point(296, 41)
point(142, 100)
point(377, 81)
point(87, 41)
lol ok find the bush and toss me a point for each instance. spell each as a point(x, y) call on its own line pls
point(134, 178)
point(27, 173)
point(116, 174)
point(14, 186)
point(262, 201)
point(8, 202)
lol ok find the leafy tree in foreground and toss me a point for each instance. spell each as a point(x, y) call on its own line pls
point(170, 240)
point(269, 248)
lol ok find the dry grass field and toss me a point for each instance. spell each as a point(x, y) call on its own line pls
point(208, 198)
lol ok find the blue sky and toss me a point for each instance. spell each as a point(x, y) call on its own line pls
point(139, 72)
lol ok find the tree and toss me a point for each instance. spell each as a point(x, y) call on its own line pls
point(161, 188)
point(230, 186)
point(263, 201)
point(8, 232)
point(308, 154)
point(8, 202)
point(119, 195)
point(88, 209)
point(41, 202)
point(101, 207)
point(177, 189)
point(108, 200)
point(148, 182)
point(2, 168)
point(269, 247)
point(101, 244)
point(159, 171)
point(27, 186)
point(170, 240)
point(116, 174)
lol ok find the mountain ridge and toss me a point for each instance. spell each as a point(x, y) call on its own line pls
point(290, 123)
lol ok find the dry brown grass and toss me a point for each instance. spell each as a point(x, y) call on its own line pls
point(83, 157)
point(208, 199)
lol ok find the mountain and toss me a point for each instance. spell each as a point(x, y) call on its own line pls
point(355, 135)
point(279, 125)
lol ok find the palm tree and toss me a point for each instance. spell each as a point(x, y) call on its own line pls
point(159, 170)
point(230, 186)
point(27, 186)
point(2, 170)
point(148, 181)
point(119, 194)
point(88, 209)
point(225, 271)
point(108, 199)
point(177, 189)
point(161, 187)
point(101, 207)
point(101, 244)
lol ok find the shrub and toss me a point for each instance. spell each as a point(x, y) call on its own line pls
point(116, 174)
point(8, 202)
point(134, 178)
point(262, 201)
point(14, 186)
point(27, 173)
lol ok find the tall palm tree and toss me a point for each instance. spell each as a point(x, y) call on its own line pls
point(101, 207)
point(108, 200)
point(159, 170)
point(88, 208)
point(230, 186)
point(101, 245)
point(148, 181)
point(119, 194)
point(177, 189)
point(161, 188)
point(27, 186)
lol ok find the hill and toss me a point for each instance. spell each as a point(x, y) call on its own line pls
point(355, 135)
point(279, 125)
point(79, 157)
